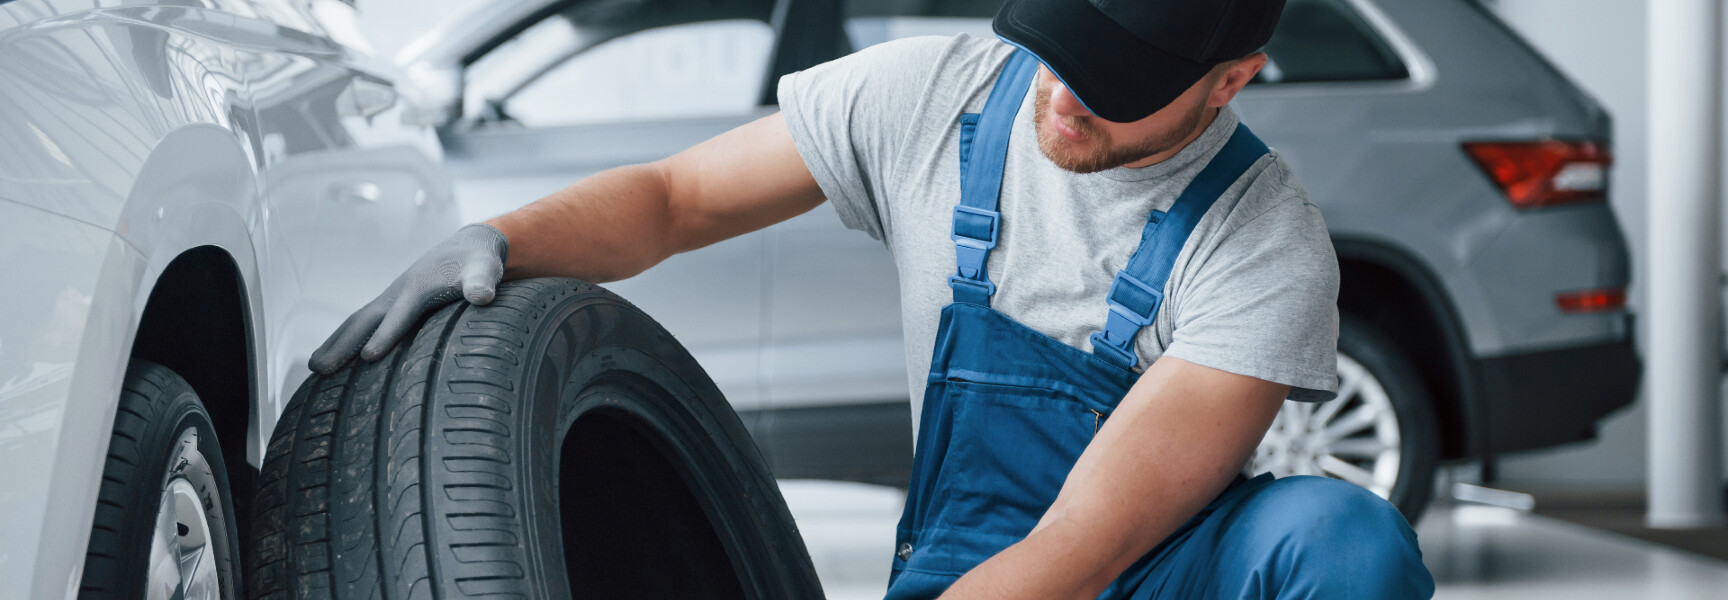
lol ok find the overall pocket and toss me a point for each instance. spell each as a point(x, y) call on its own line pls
point(1009, 452)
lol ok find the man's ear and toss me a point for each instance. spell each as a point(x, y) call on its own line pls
point(1233, 76)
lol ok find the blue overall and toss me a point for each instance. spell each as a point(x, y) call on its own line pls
point(1008, 411)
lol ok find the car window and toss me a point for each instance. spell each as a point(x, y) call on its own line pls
point(695, 70)
point(609, 62)
point(1316, 40)
point(871, 22)
point(1325, 40)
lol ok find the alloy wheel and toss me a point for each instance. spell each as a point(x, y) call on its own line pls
point(182, 558)
point(1354, 437)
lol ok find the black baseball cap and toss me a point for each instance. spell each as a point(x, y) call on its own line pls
point(1126, 59)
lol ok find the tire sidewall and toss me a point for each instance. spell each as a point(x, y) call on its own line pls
point(1412, 406)
point(166, 460)
point(592, 339)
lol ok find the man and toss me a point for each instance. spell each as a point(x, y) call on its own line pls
point(1109, 285)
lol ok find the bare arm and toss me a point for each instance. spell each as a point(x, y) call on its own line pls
point(1172, 445)
point(603, 228)
point(620, 222)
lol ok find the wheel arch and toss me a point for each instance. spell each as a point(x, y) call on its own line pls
point(196, 306)
point(197, 322)
point(190, 214)
point(1389, 288)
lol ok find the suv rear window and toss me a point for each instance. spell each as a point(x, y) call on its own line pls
point(1325, 40)
point(1316, 40)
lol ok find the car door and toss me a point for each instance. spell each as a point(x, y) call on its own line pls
point(833, 340)
point(353, 192)
point(833, 359)
point(577, 87)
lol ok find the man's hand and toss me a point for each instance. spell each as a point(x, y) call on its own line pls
point(1171, 446)
point(467, 265)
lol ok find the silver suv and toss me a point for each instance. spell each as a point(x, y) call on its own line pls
point(1463, 179)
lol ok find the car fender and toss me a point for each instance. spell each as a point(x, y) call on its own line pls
point(198, 188)
point(68, 288)
point(1443, 308)
point(194, 190)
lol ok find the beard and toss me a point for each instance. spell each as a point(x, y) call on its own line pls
point(1061, 150)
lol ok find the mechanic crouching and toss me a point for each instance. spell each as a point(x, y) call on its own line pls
point(1109, 284)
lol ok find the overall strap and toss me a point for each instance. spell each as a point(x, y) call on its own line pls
point(1138, 289)
point(983, 152)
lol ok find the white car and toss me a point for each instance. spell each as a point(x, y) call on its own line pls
point(192, 194)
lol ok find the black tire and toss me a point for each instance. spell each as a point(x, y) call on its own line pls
point(162, 437)
point(1418, 433)
point(552, 444)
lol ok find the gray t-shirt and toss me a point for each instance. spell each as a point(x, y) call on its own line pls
point(1253, 292)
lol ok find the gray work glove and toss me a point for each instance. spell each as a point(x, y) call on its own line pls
point(467, 265)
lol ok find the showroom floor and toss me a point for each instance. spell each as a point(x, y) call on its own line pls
point(1475, 552)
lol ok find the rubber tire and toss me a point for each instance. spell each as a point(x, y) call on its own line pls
point(441, 470)
point(156, 408)
point(1419, 448)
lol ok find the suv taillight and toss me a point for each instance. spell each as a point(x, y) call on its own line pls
point(1592, 301)
point(1545, 173)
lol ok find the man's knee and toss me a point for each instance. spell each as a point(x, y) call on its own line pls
point(1323, 534)
point(1330, 513)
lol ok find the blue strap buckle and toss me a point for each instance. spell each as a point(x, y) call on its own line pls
point(971, 290)
point(974, 233)
point(1132, 306)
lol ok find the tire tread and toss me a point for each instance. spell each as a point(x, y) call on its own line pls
point(336, 518)
point(399, 482)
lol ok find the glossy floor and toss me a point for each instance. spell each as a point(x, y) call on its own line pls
point(1475, 552)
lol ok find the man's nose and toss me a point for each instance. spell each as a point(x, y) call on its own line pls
point(1064, 103)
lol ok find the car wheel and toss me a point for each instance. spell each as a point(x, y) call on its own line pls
point(556, 442)
point(1379, 433)
point(164, 523)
